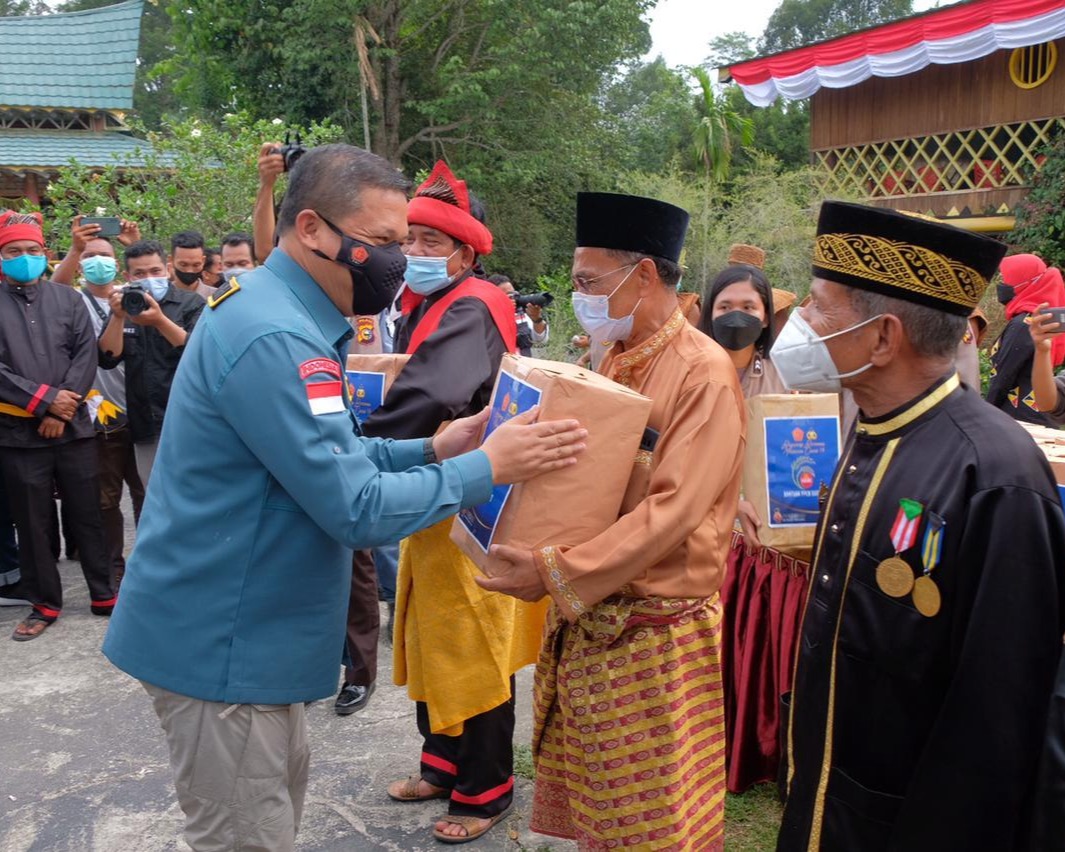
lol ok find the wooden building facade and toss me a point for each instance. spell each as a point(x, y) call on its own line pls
point(956, 137)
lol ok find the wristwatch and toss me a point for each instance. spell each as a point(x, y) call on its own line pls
point(429, 451)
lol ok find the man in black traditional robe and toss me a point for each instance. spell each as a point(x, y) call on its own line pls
point(934, 620)
point(456, 646)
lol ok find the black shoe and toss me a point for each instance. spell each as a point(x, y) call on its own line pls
point(352, 698)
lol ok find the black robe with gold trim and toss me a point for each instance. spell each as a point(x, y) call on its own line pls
point(910, 732)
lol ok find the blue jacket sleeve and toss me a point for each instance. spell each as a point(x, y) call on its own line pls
point(324, 466)
point(395, 456)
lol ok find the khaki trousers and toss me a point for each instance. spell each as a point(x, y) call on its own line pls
point(240, 770)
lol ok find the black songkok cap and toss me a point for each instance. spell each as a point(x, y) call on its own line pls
point(630, 223)
point(906, 257)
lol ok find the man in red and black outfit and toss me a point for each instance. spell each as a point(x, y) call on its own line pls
point(47, 365)
point(456, 329)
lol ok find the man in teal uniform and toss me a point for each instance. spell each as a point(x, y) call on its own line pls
point(234, 599)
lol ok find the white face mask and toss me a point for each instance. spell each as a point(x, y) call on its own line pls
point(803, 359)
point(593, 313)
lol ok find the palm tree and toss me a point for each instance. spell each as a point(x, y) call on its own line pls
point(719, 129)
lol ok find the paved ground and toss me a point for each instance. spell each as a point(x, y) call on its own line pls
point(83, 765)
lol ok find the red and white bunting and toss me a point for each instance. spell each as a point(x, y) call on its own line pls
point(959, 33)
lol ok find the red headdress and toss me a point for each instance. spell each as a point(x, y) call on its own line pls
point(1034, 283)
point(20, 226)
point(443, 202)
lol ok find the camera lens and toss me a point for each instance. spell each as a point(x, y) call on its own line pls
point(134, 303)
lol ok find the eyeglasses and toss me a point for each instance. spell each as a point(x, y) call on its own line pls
point(581, 283)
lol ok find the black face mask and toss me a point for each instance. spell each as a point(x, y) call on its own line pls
point(1006, 293)
point(187, 278)
point(737, 330)
point(376, 271)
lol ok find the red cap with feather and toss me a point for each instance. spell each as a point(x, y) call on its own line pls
point(443, 202)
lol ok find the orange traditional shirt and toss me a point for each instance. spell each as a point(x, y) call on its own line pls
point(672, 537)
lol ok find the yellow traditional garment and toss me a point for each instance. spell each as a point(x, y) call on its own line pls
point(456, 645)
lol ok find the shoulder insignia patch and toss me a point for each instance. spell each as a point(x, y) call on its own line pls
point(223, 293)
point(320, 365)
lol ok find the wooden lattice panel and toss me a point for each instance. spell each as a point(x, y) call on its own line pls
point(984, 158)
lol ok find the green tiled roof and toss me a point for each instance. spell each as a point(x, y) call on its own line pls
point(33, 149)
point(76, 59)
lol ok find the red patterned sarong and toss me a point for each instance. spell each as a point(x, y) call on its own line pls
point(762, 596)
point(629, 727)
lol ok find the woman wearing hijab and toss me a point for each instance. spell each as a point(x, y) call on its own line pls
point(1027, 283)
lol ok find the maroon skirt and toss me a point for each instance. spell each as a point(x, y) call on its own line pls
point(763, 596)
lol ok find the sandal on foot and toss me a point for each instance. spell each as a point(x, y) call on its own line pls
point(407, 791)
point(470, 824)
point(32, 626)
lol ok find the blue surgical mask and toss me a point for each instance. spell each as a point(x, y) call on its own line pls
point(24, 268)
point(426, 275)
point(156, 287)
point(593, 313)
point(99, 270)
point(235, 272)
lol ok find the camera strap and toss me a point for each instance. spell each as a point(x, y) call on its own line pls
point(96, 307)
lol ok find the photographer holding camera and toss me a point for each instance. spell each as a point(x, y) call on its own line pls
point(149, 324)
point(528, 314)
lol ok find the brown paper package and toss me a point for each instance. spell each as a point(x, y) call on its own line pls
point(789, 539)
point(389, 364)
point(575, 504)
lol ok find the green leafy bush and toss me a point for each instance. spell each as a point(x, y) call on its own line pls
point(195, 175)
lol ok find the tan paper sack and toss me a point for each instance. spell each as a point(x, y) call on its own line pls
point(571, 505)
point(793, 447)
point(370, 377)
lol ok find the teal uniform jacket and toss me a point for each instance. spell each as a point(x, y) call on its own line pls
point(237, 589)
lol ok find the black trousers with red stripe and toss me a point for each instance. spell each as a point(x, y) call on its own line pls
point(30, 477)
point(478, 766)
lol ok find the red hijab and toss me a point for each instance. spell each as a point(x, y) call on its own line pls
point(1034, 283)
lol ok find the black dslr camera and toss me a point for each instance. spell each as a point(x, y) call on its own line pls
point(291, 151)
point(134, 300)
point(542, 300)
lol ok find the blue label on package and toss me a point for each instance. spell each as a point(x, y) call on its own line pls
point(512, 396)
point(1061, 494)
point(367, 393)
point(801, 453)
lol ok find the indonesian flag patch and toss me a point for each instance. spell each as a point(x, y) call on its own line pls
point(325, 397)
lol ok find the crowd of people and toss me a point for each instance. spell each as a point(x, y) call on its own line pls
point(916, 698)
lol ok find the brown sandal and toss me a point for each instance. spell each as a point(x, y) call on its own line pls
point(470, 824)
point(407, 791)
point(32, 626)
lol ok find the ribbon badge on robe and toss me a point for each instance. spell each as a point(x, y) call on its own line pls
point(894, 575)
point(926, 597)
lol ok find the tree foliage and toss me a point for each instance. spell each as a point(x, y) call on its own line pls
point(720, 130)
point(196, 176)
point(764, 205)
point(505, 90)
point(799, 22)
point(1040, 227)
point(653, 112)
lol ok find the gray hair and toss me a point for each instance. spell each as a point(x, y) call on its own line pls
point(667, 270)
point(932, 333)
point(330, 180)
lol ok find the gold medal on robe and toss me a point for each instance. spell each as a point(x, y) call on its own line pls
point(926, 596)
point(894, 577)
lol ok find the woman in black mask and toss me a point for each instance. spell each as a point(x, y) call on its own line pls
point(738, 314)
